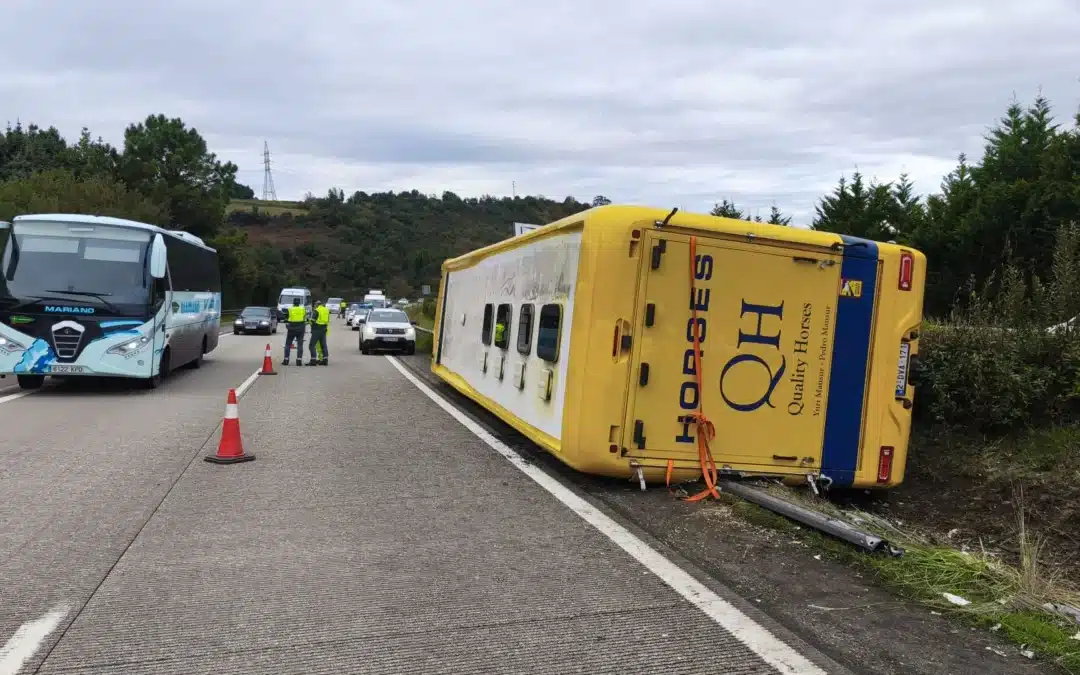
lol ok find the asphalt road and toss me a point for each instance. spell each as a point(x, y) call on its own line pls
point(377, 531)
point(840, 612)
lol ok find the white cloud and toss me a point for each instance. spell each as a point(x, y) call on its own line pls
point(681, 102)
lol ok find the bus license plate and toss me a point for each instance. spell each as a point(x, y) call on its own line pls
point(902, 369)
point(67, 370)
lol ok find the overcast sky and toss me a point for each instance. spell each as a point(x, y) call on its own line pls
point(673, 103)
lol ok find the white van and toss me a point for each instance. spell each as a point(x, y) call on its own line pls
point(285, 300)
point(376, 298)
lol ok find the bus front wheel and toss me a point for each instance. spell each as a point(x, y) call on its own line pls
point(31, 381)
point(154, 381)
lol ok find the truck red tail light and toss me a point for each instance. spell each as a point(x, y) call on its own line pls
point(907, 271)
point(884, 467)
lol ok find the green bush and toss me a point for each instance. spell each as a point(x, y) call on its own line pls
point(427, 308)
point(992, 379)
point(993, 366)
point(60, 191)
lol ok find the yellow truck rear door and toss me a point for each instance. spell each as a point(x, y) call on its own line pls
point(765, 320)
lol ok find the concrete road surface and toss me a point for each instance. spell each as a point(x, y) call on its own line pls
point(374, 533)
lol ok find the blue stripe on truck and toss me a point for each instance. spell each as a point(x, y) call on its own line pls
point(850, 359)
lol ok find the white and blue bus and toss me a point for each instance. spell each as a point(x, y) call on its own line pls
point(97, 296)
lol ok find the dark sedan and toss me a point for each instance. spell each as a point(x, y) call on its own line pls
point(256, 320)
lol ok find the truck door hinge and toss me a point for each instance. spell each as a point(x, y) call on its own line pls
point(639, 434)
point(650, 314)
point(643, 375)
point(626, 342)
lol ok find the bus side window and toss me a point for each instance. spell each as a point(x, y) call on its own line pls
point(525, 321)
point(485, 330)
point(503, 316)
point(547, 332)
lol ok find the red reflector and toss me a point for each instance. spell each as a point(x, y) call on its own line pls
point(907, 270)
point(615, 343)
point(884, 467)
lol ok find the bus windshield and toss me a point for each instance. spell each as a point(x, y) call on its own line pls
point(93, 264)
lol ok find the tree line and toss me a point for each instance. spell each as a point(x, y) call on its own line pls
point(1003, 210)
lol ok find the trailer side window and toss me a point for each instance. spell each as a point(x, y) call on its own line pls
point(485, 330)
point(547, 332)
point(525, 324)
point(503, 316)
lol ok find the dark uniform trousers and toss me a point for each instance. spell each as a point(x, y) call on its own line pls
point(294, 331)
point(318, 337)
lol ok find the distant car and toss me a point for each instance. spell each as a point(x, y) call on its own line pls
point(350, 313)
point(388, 329)
point(256, 320)
point(360, 317)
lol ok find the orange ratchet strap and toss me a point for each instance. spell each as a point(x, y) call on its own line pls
point(705, 431)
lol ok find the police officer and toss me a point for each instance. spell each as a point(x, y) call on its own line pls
point(294, 330)
point(341, 309)
point(319, 325)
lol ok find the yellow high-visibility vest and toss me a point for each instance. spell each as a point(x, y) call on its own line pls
point(296, 314)
point(322, 315)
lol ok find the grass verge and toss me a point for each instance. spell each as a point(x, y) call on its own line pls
point(424, 339)
point(227, 319)
point(1013, 600)
point(269, 208)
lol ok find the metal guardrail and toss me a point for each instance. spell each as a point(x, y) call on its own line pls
point(426, 330)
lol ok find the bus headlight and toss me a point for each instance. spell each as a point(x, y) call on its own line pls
point(129, 346)
point(9, 345)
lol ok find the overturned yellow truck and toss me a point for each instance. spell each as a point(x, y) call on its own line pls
point(628, 334)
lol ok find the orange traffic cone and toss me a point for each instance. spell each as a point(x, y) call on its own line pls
point(268, 364)
point(231, 447)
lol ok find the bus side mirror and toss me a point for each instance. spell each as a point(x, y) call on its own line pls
point(158, 256)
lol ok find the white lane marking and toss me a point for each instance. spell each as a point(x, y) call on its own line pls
point(12, 397)
point(28, 638)
point(247, 383)
point(756, 637)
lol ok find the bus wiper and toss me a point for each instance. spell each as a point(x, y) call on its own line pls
point(99, 296)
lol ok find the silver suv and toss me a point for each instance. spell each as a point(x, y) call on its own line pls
point(388, 329)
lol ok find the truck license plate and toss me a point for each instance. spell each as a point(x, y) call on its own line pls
point(902, 369)
point(66, 370)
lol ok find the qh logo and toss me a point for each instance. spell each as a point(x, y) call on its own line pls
point(63, 309)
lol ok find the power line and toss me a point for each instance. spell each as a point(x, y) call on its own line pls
point(269, 193)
